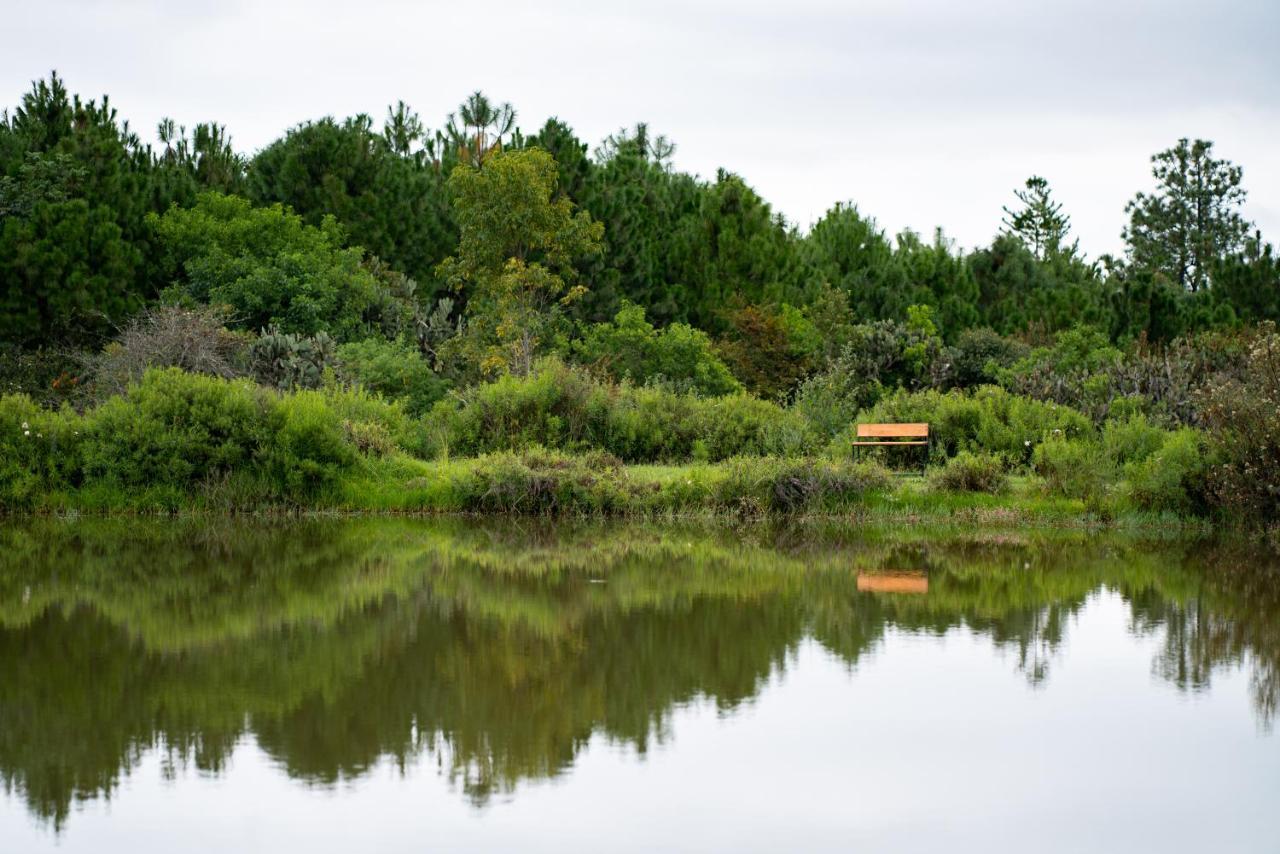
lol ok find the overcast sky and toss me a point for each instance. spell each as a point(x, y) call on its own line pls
point(922, 112)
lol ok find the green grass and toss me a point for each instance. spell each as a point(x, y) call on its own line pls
point(548, 483)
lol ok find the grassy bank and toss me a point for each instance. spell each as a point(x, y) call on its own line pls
point(547, 483)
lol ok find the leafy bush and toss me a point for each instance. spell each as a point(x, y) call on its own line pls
point(678, 357)
point(272, 268)
point(978, 355)
point(174, 429)
point(394, 369)
point(1172, 477)
point(794, 486)
point(176, 436)
point(39, 451)
point(970, 472)
point(308, 447)
point(538, 481)
point(1243, 417)
point(1132, 439)
point(770, 350)
point(561, 407)
point(989, 419)
point(1074, 468)
point(877, 357)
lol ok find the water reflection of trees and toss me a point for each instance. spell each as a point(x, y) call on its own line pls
point(492, 650)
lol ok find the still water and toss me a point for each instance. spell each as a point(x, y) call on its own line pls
point(396, 685)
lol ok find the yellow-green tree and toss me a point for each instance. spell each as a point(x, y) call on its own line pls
point(515, 259)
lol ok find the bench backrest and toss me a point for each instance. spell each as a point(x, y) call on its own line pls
point(893, 431)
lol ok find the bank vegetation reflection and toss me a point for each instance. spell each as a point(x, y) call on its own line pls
point(498, 650)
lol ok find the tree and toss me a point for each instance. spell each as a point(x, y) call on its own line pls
point(678, 357)
point(272, 269)
point(1040, 223)
point(388, 196)
point(1192, 220)
point(516, 257)
point(480, 128)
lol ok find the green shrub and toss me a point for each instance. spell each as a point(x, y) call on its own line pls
point(794, 486)
point(1171, 478)
point(1074, 468)
point(1243, 418)
point(394, 369)
point(565, 408)
point(679, 357)
point(969, 472)
point(39, 451)
point(978, 355)
point(1131, 439)
point(989, 419)
point(308, 448)
point(174, 437)
point(285, 361)
point(538, 481)
point(174, 429)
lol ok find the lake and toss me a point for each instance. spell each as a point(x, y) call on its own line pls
point(408, 684)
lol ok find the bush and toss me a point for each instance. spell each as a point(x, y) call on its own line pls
point(193, 339)
point(1243, 417)
point(1074, 468)
point(978, 355)
point(394, 369)
point(308, 448)
point(39, 451)
point(794, 486)
point(1173, 477)
point(565, 408)
point(1132, 439)
point(175, 429)
point(969, 472)
point(679, 357)
point(538, 481)
point(272, 268)
point(876, 357)
point(175, 437)
point(989, 419)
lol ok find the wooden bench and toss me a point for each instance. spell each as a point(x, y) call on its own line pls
point(893, 436)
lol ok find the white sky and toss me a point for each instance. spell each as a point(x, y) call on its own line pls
point(923, 112)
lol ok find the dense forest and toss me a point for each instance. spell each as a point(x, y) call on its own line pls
point(478, 276)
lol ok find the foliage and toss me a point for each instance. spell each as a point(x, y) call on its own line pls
point(177, 437)
point(678, 357)
point(284, 361)
point(1243, 418)
point(876, 357)
point(978, 355)
point(270, 267)
point(1039, 223)
point(388, 194)
point(970, 472)
point(561, 407)
point(1074, 468)
point(769, 350)
point(988, 419)
point(515, 260)
point(1173, 477)
point(1192, 219)
point(394, 369)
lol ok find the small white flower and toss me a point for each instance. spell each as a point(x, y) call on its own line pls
point(1027, 443)
point(24, 425)
point(26, 432)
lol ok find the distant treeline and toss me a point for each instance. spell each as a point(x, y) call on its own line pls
point(83, 199)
